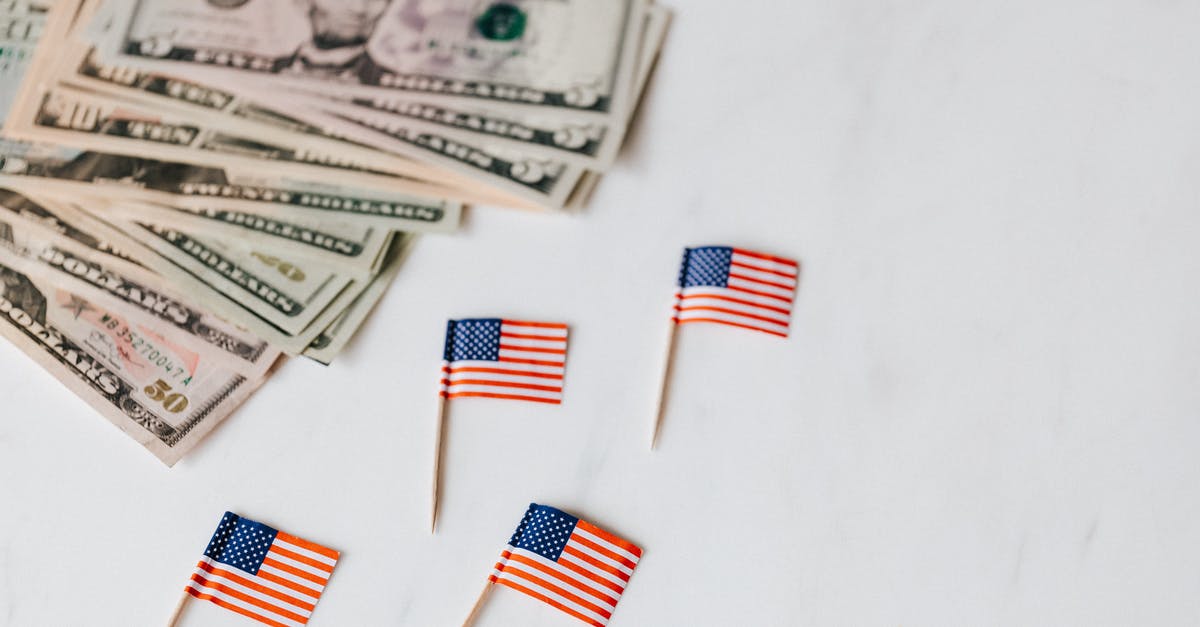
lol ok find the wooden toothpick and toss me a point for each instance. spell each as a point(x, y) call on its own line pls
point(178, 613)
point(666, 381)
point(437, 460)
point(478, 605)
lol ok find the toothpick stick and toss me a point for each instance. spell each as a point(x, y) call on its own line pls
point(178, 613)
point(666, 380)
point(437, 461)
point(478, 605)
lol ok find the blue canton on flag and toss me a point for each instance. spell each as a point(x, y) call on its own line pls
point(705, 265)
point(544, 530)
point(477, 339)
point(241, 543)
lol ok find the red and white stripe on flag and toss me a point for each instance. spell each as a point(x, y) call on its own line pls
point(283, 593)
point(758, 294)
point(587, 578)
point(529, 365)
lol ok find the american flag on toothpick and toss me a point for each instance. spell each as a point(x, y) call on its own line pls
point(262, 573)
point(567, 563)
point(510, 359)
point(736, 287)
point(495, 358)
point(730, 286)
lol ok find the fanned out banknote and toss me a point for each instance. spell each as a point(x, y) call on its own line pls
point(508, 152)
point(192, 189)
point(46, 237)
point(149, 371)
point(573, 57)
point(355, 250)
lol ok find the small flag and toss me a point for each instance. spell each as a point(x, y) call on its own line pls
point(504, 359)
point(262, 573)
point(736, 287)
point(568, 563)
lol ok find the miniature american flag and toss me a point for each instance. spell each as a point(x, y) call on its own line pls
point(504, 359)
point(568, 563)
point(262, 573)
point(736, 287)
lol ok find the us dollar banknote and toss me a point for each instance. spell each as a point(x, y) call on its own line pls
point(50, 241)
point(80, 67)
point(355, 251)
point(544, 177)
point(57, 114)
point(544, 181)
point(192, 185)
point(464, 172)
point(93, 122)
point(587, 143)
point(285, 292)
point(506, 174)
point(206, 186)
point(163, 395)
point(334, 338)
point(244, 112)
point(278, 121)
point(21, 27)
point(250, 291)
point(574, 56)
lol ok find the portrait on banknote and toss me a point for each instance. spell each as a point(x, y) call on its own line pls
point(18, 290)
point(338, 43)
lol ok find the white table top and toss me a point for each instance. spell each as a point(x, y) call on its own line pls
point(986, 414)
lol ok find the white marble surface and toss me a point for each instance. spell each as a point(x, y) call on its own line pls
point(987, 413)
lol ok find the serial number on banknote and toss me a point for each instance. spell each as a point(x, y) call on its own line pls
point(144, 347)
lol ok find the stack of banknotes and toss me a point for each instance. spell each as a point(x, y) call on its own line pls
point(191, 189)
